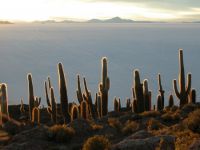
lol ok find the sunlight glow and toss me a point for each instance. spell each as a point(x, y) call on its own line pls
point(29, 10)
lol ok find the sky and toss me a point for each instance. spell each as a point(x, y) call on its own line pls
point(80, 10)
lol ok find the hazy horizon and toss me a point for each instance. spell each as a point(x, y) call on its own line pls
point(80, 10)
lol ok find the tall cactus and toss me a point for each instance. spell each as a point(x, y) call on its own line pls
point(99, 105)
point(138, 92)
point(30, 95)
point(47, 91)
point(184, 90)
point(104, 87)
point(4, 100)
point(128, 103)
point(52, 109)
point(78, 91)
point(161, 91)
point(63, 94)
point(147, 95)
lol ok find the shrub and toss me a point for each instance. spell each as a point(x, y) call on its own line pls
point(97, 142)
point(193, 121)
point(171, 117)
point(60, 133)
point(130, 127)
point(153, 124)
point(150, 113)
point(96, 127)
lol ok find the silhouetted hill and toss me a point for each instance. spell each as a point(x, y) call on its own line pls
point(5, 22)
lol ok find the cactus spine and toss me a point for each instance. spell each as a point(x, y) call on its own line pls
point(138, 92)
point(193, 96)
point(52, 109)
point(161, 91)
point(184, 90)
point(63, 94)
point(4, 100)
point(171, 101)
point(159, 103)
point(74, 112)
point(104, 87)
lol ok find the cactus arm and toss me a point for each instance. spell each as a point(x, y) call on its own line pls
point(176, 89)
point(49, 110)
point(189, 82)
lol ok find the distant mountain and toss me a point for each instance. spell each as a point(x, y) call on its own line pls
point(112, 20)
point(5, 22)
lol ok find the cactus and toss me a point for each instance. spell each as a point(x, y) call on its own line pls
point(117, 105)
point(159, 103)
point(104, 87)
point(63, 94)
point(78, 91)
point(161, 91)
point(22, 110)
point(99, 105)
point(30, 95)
point(193, 96)
point(47, 91)
point(128, 103)
point(138, 92)
point(84, 110)
point(154, 107)
point(52, 109)
point(171, 101)
point(87, 96)
point(4, 100)
point(36, 115)
point(184, 90)
point(147, 96)
point(74, 112)
point(134, 106)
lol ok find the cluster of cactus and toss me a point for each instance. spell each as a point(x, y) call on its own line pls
point(34, 102)
point(141, 94)
point(86, 109)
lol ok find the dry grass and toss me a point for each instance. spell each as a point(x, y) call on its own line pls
point(97, 142)
point(60, 133)
point(193, 121)
point(96, 127)
point(154, 124)
point(130, 127)
point(115, 123)
point(151, 113)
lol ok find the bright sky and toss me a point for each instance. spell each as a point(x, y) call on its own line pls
point(152, 10)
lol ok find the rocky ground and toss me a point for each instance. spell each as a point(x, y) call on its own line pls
point(172, 128)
